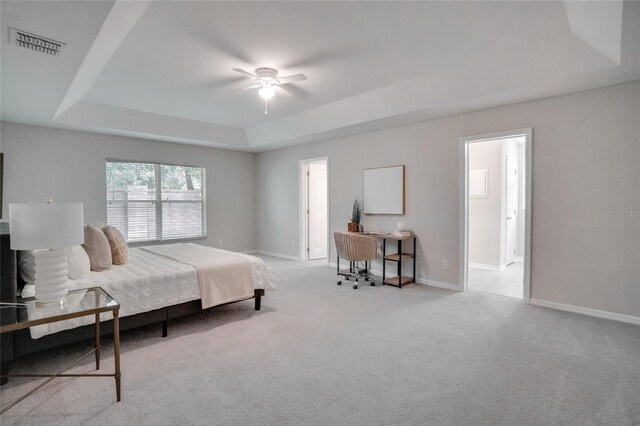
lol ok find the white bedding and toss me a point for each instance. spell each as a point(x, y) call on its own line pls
point(147, 282)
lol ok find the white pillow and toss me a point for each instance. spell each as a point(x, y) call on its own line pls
point(27, 266)
point(78, 265)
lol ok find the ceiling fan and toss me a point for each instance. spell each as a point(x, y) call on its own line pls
point(267, 80)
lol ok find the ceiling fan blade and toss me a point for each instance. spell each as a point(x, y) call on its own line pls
point(246, 74)
point(254, 86)
point(290, 78)
point(282, 90)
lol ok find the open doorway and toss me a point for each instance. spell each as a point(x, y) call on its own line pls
point(313, 209)
point(496, 220)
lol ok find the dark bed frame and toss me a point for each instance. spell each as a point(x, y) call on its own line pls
point(18, 343)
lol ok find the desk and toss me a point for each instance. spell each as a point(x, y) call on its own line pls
point(91, 301)
point(399, 280)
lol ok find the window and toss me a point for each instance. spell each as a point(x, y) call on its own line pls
point(156, 202)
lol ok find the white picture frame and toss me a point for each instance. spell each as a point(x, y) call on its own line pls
point(384, 191)
point(478, 183)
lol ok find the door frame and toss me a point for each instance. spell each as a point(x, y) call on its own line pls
point(464, 203)
point(303, 193)
point(504, 213)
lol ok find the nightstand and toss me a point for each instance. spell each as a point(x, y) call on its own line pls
point(79, 303)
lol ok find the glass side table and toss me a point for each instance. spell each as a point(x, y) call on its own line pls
point(78, 303)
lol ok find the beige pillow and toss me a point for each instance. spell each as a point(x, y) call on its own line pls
point(97, 247)
point(119, 249)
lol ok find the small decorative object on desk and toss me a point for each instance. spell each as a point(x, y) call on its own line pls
point(402, 230)
point(356, 214)
point(402, 233)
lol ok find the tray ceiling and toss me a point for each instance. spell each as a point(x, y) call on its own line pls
point(163, 70)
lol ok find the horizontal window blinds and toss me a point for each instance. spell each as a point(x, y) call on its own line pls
point(156, 202)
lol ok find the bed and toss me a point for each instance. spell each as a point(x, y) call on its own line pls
point(158, 283)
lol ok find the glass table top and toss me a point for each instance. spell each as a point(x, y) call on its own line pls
point(27, 312)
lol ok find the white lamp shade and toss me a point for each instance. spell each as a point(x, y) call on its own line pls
point(267, 92)
point(36, 226)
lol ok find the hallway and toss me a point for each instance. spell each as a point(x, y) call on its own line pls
point(506, 283)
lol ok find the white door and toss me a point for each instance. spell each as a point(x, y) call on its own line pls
point(512, 209)
point(317, 210)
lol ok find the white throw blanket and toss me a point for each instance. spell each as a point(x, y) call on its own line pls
point(223, 276)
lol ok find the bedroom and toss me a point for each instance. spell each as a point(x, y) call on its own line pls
point(577, 88)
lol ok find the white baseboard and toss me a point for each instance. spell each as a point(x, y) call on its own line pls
point(253, 251)
point(419, 280)
point(487, 267)
point(280, 255)
point(439, 284)
point(586, 311)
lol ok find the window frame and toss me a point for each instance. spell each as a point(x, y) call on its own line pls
point(158, 201)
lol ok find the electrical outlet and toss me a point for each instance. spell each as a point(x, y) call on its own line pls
point(293, 243)
point(221, 241)
point(444, 264)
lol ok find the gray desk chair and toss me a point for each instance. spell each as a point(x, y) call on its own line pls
point(355, 248)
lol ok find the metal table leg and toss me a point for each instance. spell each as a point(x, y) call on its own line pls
point(116, 350)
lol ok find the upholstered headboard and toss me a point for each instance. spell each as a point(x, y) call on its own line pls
point(8, 290)
point(8, 269)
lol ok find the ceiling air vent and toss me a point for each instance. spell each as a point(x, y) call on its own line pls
point(35, 42)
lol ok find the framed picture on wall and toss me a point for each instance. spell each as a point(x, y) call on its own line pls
point(478, 183)
point(384, 190)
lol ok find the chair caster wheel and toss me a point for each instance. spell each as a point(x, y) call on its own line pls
point(346, 279)
point(373, 284)
point(366, 279)
point(355, 287)
point(339, 282)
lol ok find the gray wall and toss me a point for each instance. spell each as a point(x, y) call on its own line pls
point(69, 166)
point(586, 175)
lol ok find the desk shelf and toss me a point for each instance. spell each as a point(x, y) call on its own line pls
point(396, 257)
point(399, 280)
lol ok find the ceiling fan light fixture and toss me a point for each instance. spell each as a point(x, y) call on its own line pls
point(266, 92)
point(266, 79)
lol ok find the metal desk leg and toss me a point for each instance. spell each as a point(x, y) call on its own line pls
point(384, 262)
point(399, 263)
point(116, 350)
point(414, 259)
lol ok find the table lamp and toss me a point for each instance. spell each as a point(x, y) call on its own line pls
point(49, 226)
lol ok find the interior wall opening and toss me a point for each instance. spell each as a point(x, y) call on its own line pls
point(314, 209)
point(496, 222)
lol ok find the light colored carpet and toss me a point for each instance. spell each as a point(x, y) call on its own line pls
point(319, 354)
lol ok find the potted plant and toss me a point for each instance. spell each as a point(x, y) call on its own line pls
point(356, 214)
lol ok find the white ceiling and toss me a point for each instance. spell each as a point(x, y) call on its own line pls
point(163, 70)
